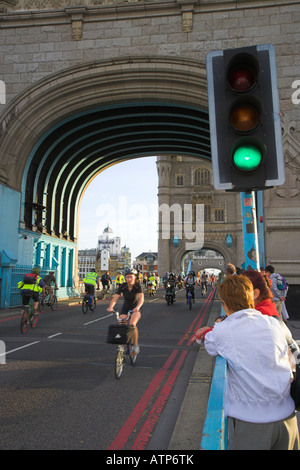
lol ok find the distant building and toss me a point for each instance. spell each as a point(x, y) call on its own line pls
point(110, 255)
point(86, 261)
point(109, 242)
point(146, 263)
point(126, 255)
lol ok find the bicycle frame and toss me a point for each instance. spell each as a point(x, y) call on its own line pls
point(28, 317)
point(169, 295)
point(52, 304)
point(203, 289)
point(190, 298)
point(122, 349)
point(86, 306)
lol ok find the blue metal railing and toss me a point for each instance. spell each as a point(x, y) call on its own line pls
point(214, 435)
point(18, 273)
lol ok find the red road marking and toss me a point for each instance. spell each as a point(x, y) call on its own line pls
point(127, 429)
point(144, 435)
point(10, 318)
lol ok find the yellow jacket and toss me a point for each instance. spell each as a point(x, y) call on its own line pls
point(34, 287)
point(91, 278)
point(120, 279)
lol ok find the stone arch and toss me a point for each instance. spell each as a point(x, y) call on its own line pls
point(209, 245)
point(57, 150)
point(43, 105)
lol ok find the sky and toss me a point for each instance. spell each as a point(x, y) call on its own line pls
point(124, 196)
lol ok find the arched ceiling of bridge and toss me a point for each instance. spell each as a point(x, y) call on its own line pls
point(70, 154)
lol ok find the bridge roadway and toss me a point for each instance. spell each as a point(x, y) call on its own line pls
point(58, 380)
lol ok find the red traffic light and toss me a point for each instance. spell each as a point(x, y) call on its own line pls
point(241, 79)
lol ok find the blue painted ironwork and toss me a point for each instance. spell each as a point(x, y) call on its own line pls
point(249, 222)
point(214, 435)
point(260, 228)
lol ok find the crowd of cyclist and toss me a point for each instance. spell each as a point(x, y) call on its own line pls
point(189, 282)
point(33, 286)
point(131, 286)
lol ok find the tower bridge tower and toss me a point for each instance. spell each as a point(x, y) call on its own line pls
point(183, 184)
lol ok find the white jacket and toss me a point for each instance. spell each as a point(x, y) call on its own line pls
point(259, 372)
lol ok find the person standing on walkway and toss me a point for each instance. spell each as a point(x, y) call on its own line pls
point(262, 295)
point(260, 410)
point(230, 270)
point(279, 287)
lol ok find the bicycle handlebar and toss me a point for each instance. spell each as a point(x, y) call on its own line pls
point(129, 313)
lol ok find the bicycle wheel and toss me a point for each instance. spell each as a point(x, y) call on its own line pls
point(84, 306)
point(190, 302)
point(33, 320)
point(24, 322)
point(93, 305)
point(54, 303)
point(132, 355)
point(41, 306)
point(119, 364)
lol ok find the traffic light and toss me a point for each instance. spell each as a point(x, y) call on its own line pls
point(244, 117)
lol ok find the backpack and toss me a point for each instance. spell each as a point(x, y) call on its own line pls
point(30, 278)
point(281, 283)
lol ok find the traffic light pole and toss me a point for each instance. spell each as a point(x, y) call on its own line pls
point(250, 237)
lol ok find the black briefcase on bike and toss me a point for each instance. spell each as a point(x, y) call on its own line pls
point(120, 334)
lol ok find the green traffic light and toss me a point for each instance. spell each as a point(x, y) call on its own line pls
point(247, 157)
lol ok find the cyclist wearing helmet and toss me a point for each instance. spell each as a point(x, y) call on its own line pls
point(190, 282)
point(133, 300)
point(171, 281)
point(32, 289)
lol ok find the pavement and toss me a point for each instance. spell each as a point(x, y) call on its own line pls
point(190, 422)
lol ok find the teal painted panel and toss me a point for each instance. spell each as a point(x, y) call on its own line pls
point(9, 220)
point(214, 435)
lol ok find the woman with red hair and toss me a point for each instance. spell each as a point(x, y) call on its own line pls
point(262, 294)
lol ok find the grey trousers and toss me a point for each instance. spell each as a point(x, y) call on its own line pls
point(279, 435)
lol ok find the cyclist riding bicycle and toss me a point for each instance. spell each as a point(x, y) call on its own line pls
point(152, 279)
point(105, 281)
point(171, 281)
point(31, 287)
point(189, 283)
point(48, 281)
point(120, 279)
point(204, 280)
point(133, 300)
point(90, 281)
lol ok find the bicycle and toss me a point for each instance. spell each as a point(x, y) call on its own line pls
point(203, 289)
point(86, 306)
point(28, 317)
point(151, 289)
point(190, 298)
point(45, 301)
point(105, 292)
point(125, 345)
